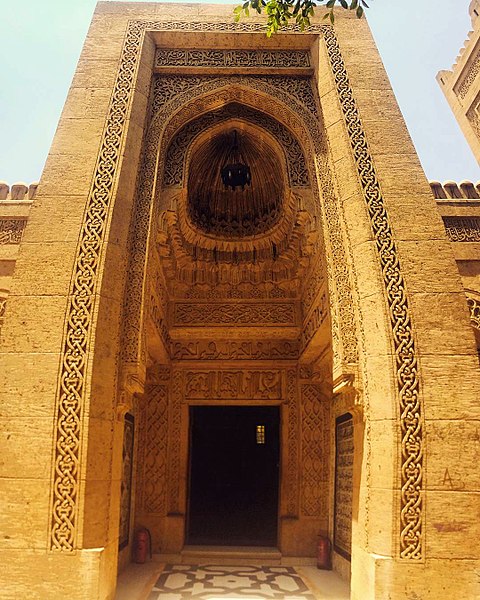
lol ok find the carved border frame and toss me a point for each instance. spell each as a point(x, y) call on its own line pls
point(72, 384)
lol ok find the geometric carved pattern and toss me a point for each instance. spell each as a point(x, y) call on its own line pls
point(314, 451)
point(226, 385)
point(11, 231)
point(462, 229)
point(234, 350)
point(233, 314)
point(293, 449)
point(232, 58)
point(174, 431)
point(155, 451)
point(343, 485)
point(411, 517)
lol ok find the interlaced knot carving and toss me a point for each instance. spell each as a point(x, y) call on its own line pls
point(411, 536)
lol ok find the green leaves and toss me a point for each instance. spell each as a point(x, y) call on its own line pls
point(281, 12)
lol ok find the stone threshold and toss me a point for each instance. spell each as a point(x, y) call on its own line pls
point(234, 555)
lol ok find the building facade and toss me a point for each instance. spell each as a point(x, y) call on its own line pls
point(176, 351)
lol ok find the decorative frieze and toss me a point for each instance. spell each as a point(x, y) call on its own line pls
point(234, 350)
point(11, 231)
point(195, 315)
point(233, 384)
point(471, 74)
point(462, 229)
point(270, 59)
point(344, 449)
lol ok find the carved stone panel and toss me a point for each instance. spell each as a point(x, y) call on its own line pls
point(126, 485)
point(291, 470)
point(462, 229)
point(11, 231)
point(174, 443)
point(234, 314)
point(273, 59)
point(343, 485)
point(234, 350)
point(155, 451)
point(314, 451)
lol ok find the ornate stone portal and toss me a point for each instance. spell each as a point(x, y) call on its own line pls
point(312, 290)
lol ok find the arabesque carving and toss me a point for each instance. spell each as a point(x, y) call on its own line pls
point(232, 58)
point(471, 74)
point(234, 350)
point(234, 314)
point(227, 385)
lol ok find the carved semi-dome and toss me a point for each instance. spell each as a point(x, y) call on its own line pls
point(222, 212)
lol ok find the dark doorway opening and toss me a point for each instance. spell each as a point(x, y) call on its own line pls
point(234, 466)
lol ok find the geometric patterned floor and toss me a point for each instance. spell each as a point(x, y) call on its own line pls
point(182, 582)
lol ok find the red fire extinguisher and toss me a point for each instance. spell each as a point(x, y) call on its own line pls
point(142, 546)
point(323, 553)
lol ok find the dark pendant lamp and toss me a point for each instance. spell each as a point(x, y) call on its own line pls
point(235, 172)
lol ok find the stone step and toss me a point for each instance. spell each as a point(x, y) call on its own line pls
point(231, 555)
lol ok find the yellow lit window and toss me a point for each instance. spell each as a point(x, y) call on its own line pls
point(260, 434)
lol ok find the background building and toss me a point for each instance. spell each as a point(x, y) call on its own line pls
point(461, 85)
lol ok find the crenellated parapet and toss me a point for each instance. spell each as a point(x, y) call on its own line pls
point(459, 207)
point(18, 191)
point(451, 190)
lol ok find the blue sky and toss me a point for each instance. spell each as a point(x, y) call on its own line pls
point(42, 40)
